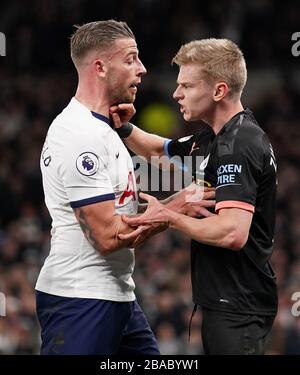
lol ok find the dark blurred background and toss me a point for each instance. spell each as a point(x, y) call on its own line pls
point(37, 80)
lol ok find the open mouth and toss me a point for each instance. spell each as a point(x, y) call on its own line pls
point(133, 88)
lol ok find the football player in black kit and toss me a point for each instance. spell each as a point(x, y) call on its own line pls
point(232, 279)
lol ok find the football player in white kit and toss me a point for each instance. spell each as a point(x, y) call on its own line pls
point(85, 291)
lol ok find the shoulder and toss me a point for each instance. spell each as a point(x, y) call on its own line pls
point(244, 135)
point(69, 131)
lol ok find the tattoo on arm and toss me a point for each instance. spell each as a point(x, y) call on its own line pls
point(88, 232)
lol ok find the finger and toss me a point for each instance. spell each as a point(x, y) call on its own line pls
point(137, 232)
point(203, 203)
point(113, 108)
point(127, 107)
point(209, 194)
point(116, 120)
point(127, 236)
point(204, 212)
point(132, 221)
point(146, 197)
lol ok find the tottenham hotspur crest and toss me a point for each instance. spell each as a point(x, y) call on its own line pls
point(87, 163)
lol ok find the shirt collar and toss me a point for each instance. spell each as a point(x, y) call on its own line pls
point(102, 118)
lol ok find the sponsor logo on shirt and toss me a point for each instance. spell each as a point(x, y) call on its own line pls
point(227, 174)
point(87, 163)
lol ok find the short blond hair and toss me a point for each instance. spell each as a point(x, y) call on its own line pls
point(219, 59)
point(97, 35)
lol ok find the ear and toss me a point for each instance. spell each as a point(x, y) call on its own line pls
point(221, 90)
point(100, 68)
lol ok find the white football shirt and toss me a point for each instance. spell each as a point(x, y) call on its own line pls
point(84, 161)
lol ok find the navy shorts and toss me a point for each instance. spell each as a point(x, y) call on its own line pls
point(92, 326)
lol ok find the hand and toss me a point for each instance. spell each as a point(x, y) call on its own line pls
point(155, 214)
point(121, 113)
point(198, 199)
point(192, 201)
point(143, 233)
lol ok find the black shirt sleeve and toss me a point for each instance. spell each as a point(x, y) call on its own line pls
point(179, 147)
point(238, 166)
point(187, 145)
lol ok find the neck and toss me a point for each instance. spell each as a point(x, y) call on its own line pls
point(93, 97)
point(223, 113)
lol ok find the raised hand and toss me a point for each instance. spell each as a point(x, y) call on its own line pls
point(121, 113)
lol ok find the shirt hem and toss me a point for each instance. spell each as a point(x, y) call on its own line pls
point(236, 311)
point(125, 297)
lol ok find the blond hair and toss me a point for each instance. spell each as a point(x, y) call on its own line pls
point(219, 60)
point(97, 35)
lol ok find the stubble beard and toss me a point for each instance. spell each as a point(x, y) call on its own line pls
point(118, 96)
point(118, 93)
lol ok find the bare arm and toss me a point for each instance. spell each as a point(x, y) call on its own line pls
point(139, 141)
point(191, 201)
point(145, 144)
point(101, 227)
point(229, 229)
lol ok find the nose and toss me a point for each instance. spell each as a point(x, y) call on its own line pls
point(141, 70)
point(177, 94)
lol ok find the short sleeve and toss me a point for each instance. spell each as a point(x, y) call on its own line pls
point(179, 150)
point(238, 175)
point(84, 172)
point(178, 147)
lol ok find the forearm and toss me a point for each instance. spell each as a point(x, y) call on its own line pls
point(113, 243)
point(145, 144)
point(104, 237)
point(215, 231)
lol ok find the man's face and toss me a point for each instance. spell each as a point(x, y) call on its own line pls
point(194, 95)
point(125, 70)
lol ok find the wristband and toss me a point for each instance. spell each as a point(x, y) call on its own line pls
point(125, 130)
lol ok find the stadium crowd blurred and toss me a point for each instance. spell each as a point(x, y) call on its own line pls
point(37, 80)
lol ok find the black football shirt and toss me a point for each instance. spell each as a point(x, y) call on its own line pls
point(239, 162)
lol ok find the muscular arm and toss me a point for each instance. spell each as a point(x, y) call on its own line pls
point(101, 226)
point(145, 144)
point(229, 229)
point(191, 201)
point(139, 141)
